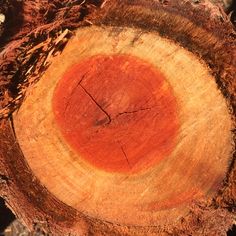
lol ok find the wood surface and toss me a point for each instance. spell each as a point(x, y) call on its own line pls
point(165, 154)
point(130, 131)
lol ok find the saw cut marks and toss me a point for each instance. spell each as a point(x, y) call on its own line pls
point(127, 127)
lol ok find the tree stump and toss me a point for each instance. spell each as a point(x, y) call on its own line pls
point(119, 118)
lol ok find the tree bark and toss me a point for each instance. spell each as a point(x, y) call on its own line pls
point(118, 117)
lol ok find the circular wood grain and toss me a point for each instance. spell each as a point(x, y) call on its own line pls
point(117, 112)
point(71, 132)
point(64, 189)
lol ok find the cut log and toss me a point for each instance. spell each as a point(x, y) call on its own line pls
point(130, 131)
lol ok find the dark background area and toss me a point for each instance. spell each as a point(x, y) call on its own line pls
point(232, 232)
point(6, 216)
point(233, 10)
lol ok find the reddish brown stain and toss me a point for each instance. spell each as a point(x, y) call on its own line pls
point(117, 112)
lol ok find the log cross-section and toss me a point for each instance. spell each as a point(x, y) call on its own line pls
point(130, 130)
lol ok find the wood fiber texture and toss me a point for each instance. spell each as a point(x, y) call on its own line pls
point(28, 51)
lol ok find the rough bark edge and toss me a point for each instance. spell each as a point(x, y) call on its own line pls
point(221, 59)
point(35, 33)
point(201, 213)
point(217, 34)
point(35, 40)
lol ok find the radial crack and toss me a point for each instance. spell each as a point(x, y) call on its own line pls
point(73, 91)
point(135, 111)
point(123, 151)
point(99, 106)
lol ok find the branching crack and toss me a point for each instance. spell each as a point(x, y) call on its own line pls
point(99, 106)
point(110, 119)
point(126, 158)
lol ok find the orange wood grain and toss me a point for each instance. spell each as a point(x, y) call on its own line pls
point(195, 156)
point(117, 112)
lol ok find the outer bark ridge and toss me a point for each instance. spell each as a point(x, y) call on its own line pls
point(34, 32)
point(200, 28)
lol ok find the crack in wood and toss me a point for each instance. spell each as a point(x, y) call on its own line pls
point(98, 105)
point(135, 111)
point(126, 158)
point(73, 91)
